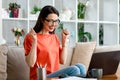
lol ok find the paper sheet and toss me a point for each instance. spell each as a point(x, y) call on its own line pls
point(77, 78)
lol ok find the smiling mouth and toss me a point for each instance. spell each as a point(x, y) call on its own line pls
point(51, 27)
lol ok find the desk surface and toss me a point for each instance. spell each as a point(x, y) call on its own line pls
point(110, 77)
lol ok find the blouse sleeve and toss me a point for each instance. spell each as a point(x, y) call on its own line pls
point(58, 41)
point(27, 44)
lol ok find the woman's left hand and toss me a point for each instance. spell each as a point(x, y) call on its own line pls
point(65, 34)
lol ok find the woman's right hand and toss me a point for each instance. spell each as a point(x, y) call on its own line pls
point(31, 57)
point(32, 33)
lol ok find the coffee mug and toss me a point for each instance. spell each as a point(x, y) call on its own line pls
point(41, 73)
point(96, 73)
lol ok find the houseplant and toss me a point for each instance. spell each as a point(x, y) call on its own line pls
point(35, 9)
point(18, 32)
point(14, 9)
point(81, 9)
point(60, 28)
point(101, 34)
point(82, 35)
point(34, 12)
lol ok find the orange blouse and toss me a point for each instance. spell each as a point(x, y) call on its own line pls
point(48, 51)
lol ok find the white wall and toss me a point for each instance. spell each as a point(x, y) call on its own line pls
point(2, 41)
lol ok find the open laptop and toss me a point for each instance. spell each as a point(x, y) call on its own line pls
point(108, 61)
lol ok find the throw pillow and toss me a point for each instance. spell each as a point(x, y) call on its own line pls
point(3, 61)
point(17, 67)
point(83, 53)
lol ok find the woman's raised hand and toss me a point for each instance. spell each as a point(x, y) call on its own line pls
point(33, 34)
point(65, 34)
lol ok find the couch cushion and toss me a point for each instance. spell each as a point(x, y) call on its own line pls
point(3, 61)
point(17, 68)
point(83, 53)
point(99, 49)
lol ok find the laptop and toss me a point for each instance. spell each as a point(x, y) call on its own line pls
point(108, 61)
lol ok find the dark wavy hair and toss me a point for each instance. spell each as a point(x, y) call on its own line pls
point(43, 14)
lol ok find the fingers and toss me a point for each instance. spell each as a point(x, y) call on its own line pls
point(65, 32)
point(32, 31)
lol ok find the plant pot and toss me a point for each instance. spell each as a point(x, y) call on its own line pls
point(83, 39)
point(15, 12)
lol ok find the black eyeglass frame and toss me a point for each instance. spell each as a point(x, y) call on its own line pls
point(53, 21)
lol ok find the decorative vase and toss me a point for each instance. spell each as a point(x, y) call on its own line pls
point(17, 40)
point(66, 14)
point(83, 39)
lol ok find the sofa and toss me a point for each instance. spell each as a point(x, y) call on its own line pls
point(14, 67)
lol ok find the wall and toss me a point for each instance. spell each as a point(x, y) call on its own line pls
point(2, 41)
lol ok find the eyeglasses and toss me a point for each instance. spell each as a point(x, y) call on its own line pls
point(50, 21)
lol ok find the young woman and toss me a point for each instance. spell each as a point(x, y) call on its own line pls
point(43, 47)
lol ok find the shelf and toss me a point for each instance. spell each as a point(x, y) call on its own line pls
point(68, 20)
point(83, 21)
point(108, 22)
point(15, 19)
point(98, 12)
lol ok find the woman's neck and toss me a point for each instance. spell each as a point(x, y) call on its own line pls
point(43, 32)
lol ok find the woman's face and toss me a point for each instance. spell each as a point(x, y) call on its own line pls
point(50, 23)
